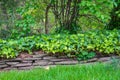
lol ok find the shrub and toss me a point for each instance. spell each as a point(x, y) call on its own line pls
point(105, 42)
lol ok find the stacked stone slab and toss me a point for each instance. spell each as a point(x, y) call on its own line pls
point(40, 60)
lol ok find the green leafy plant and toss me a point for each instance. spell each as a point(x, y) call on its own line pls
point(83, 45)
point(84, 55)
point(23, 26)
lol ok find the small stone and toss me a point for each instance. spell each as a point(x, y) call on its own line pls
point(12, 63)
point(92, 60)
point(9, 68)
point(39, 55)
point(3, 66)
point(57, 60)
point(67, 62)
point(49, 57)
point(104, 59)
point(41, 63)
point(62, 57)
point(18, 59)
point(2, 63)
point(115, 57)
point(14, 60)
point(25, 68)
point(26, 61)
point(23, 65)
point(38, 52)
point(51, 63)
point(82, 62)
point(31, 59)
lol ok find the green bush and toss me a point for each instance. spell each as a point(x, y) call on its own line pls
point(105, 42)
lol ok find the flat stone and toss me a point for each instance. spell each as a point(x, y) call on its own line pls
point(9, 68)
point(39, 55)
point(83, 62)
point(38, 52)
point(67, 62)
point(18, 59)
point(31, 59)
point(116, 57)
point(104, 59)
point(14, 60)
point(62, 57)
point(41, 66)
point(50, 63)
point(12, 63)
point(57, 60)
point(2, 63)
point(92, 60)
point(23, 65)
point(25, 68)
point(3, 66)
point(49, 57)
point(41, 63)
point(26, 61)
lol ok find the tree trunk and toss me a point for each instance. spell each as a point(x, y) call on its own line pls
point(46, 18)
point(66, 13)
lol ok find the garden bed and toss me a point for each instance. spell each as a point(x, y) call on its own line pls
point(40, 59)
point(91, 46)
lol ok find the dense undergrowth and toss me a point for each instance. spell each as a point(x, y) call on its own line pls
point(83, 45)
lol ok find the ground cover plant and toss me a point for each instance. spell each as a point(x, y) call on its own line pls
point(84, 45)
point(95, 71)
point(27, 26)
point(81, 29)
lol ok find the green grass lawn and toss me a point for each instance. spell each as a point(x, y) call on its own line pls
point(77, 72)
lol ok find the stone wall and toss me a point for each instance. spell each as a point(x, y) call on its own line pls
point(40, 60)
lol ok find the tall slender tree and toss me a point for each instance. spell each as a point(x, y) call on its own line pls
point(66, 13)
